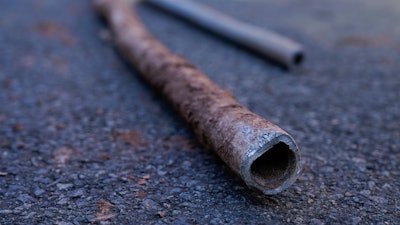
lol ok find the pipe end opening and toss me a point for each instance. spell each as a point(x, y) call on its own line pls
point(298, 58)
point(274, 167)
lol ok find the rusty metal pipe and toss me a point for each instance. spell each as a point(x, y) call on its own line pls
point(267, 43)
point(264, 155)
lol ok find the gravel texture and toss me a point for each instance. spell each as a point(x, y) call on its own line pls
point(84, 140)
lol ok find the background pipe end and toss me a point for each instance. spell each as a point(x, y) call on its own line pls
point(298, 58)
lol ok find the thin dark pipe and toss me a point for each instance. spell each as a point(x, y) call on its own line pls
point(264, 42)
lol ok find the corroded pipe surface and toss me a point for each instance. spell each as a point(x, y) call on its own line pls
point(264, 155)
point(267, 43)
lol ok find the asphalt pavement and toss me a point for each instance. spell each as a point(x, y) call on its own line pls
point(84, 140)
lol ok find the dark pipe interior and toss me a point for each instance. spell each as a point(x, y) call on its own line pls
point(298, 58)
point(274, 166)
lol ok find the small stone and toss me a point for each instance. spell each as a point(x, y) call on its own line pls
point(62, 201)
point(186, 163)
point(298, 189)
point(81, 203)
point(371, 185)
point(309, 201)
point(113, 175)
point(365, 192)
point(379, 199)
point(185, 196)
point(327, 169)
point(6, 211)
point(103, 211)
point(161, 214)
point(25, 198)
point(191, 183)
point(64, 186)
point(21, 208)
point(355, 220)
point(150, 204)
point(360, 163)
point(215, 221)
point(161, 173)
point(316, 222)
point(63, 223)
point(76, 193)
point(201, 188)
point(188, 204)
point(62, 155)
point(3, 173)
point(141, 194)
point(29, 215)
point(348, 194)
point(48, 214)
point(38, 192)
point(335, 121)
point(336, 196)
point(175, 190)
point(142, 182)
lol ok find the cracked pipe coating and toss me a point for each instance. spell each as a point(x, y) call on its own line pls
point(264, 155)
